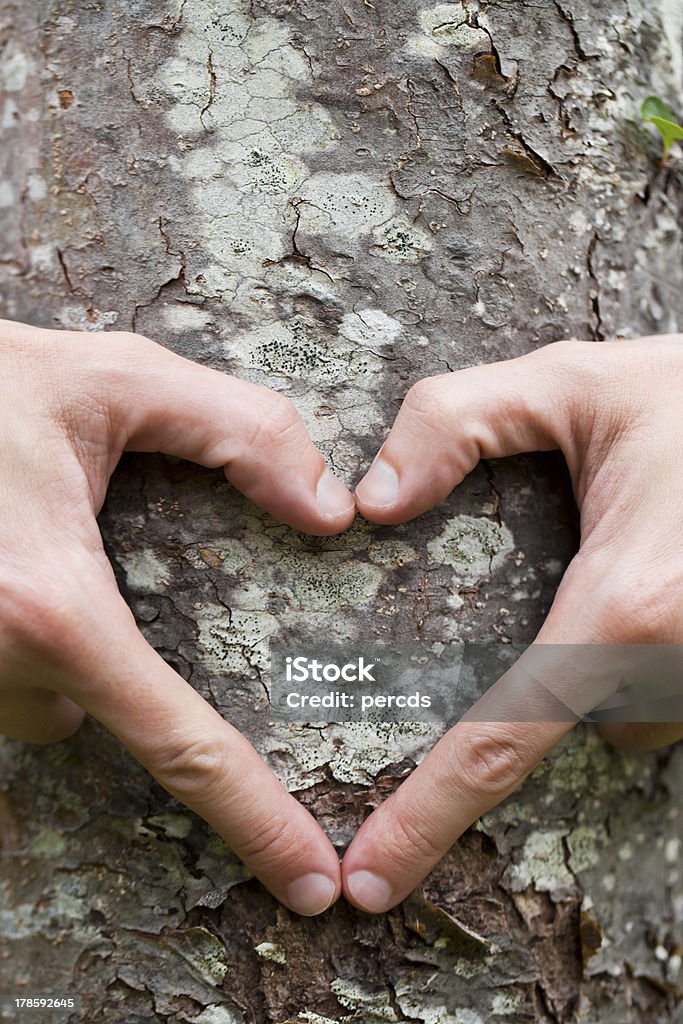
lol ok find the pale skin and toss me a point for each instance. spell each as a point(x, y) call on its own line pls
point(71, 403)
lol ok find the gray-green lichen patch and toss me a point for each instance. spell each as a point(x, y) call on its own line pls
point(392, 554)
point(199, 967)
point(398, 241)
point(371, 328)
point(311, 584)
point(15, 71)
point(176, 826)
point(185, 316)
point(352, 752)
point(542, 864)
point(368, 1006)
point(225, 553)
point(473, 546)
point(297, 349)
point(216, 1014)
point(145, 571)
point(414, 1007)
point(447, 25)
point(271, 951)
point(344, 206)
point(217, 871)
point(363, 749)
point(230, 90)
point(48, 844)
point(89, 871)
point(205, 954)
point(235, 640)
point(585, 845)
point(299, 753)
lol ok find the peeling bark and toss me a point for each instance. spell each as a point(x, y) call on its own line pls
point(337, 199)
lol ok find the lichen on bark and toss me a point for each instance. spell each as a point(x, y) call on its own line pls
point(336, 200)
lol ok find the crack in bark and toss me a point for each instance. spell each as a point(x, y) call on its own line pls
point(568, 18)
point(178, 23)
point(212, 89)
point(297, 255)
point(512, 80)
point(598, 331)
point(497, 498)
point(544, 168)
point(65, 271)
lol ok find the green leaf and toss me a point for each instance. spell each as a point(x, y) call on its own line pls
point(659, 114)
point(654, 107)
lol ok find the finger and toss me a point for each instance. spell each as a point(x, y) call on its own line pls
point(37, 715)
point(478, 762)
point(639, 737)
point(168, 404)
point(202, 760)
point(448, 423)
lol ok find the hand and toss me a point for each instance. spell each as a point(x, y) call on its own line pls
point(616, 411)
point(70, 404)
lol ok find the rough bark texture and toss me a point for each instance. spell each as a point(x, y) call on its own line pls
point(337, 199)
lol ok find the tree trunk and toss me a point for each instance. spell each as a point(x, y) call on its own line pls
point(337, 199)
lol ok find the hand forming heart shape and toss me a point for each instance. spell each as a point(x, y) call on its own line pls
point(70, 409)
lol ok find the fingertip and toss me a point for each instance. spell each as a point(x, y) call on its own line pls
point(369, 891)
point(320, 509)
point(378, 490)
point(312, 894)
point(389, 497)
point(377, 495)
point(334, 502)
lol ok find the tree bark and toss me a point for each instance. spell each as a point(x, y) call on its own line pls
point(337, 199)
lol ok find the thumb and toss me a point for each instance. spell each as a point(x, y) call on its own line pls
point(448, 423)
point(163, 403)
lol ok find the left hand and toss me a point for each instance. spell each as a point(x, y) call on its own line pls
point(615, 411)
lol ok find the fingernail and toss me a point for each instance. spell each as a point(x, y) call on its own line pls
point(311, 894)
point(370, 891)
point(379, 486)
point(333, 498)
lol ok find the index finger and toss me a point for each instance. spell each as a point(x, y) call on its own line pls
point(478, 762)
point(200, 758)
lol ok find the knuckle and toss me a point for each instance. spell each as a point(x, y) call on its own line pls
point(35, 615)
point(412, 840)
point(576, 370)
point(641, 606)
point(569, 357)
point(123, 356)
point(488, 762)
point(568, 349)
point(428, 408)
point(128, 340)
point(425, 398)
point(275, 421)
point(192, 768)
point(270, 842)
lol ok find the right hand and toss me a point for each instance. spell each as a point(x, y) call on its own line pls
point(70, 404)
point(614, 410)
